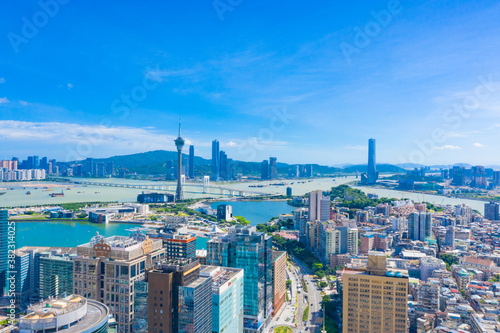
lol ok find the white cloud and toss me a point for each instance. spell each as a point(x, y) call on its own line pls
point(82, 141)
point(3, 100)
point(233, 144)
point(70, 85)
point(23, 103)
point(448, 147)
point(160, 75)
point(478, 145)
point(2, 80)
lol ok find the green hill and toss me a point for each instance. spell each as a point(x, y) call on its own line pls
point(380, 168)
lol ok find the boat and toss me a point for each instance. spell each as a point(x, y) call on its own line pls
point(28, 193)
point(57, 194)
point(2, 193)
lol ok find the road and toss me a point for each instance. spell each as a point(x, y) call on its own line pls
point(312, 298)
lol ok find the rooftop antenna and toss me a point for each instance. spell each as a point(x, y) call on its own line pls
point(179, 127)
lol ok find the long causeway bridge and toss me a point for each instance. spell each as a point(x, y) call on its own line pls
point(206, 189)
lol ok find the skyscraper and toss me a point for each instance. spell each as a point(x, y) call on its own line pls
point(191, 162)
point(492, 211)
point(375, 301)
point(479, 177)
point(215, 160)
point(372, 173)
point(264, 170)
point(419, 225)
point(273, 168)
point(4, 250)
point(179, 143)
point(106, 268)
point(179, 298)
point(244, 247)
point(319, 206)
point(227, 298)
point(223, 165)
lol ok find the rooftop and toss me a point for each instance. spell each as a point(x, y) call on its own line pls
point(61, 312)
point(220, 275)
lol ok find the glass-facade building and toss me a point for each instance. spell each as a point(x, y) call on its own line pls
point(227, 298)
point(22, 278)
point(195, 306)
point(246, 248)
point(56, 275)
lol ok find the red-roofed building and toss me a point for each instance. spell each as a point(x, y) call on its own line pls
point(477, 263)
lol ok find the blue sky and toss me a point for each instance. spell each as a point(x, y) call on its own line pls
point(308, 83)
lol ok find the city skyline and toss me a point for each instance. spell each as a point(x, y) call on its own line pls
point(256, 94)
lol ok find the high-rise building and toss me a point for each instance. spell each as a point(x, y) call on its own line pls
point(429, 296)
point(464, 211)
point(191, 162)
point(273, 168)
point(450, 236)
point(308, 170)
point(56, 275)
point(376, 300)
point(224, 212)
point(33, 283)
point(223, 165)
point(372, 174)
point(169, 172)
point(4, 250)
point(492, 211)
point(419, 225)
point(181, 246)
point(36, 162)
point(319, 206)
point(479, 177)
point(244, 247)
point(373, 241)
point(337, 240)
point(496, 178)
point(179, 298)
point(458, 176)
point(106, 268)
point(44, 163)
point(279, 280)
point(179, 143)
point(227, 298)
point(215, 161)
point(264, 170)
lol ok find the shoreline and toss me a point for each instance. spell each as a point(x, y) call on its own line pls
point(418, 192)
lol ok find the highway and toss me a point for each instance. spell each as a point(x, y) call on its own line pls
point(311, 298)
point(302, 299)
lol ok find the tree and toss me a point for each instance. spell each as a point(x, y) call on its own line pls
point(449, 260)
point(288, 283)
point(317, 267)
point(323, 284)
